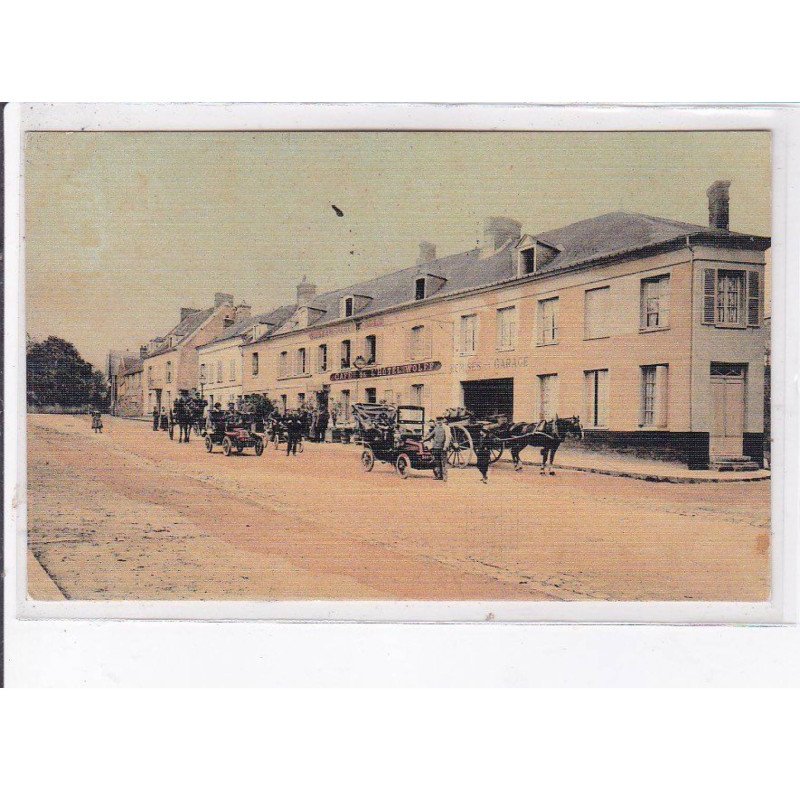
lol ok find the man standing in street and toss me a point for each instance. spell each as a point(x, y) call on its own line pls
point(294, 431)
point(155, 418)
point(439, 438)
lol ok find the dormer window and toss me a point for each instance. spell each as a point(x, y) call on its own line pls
point(528, 259)
point(419, 289)
point(348, 306)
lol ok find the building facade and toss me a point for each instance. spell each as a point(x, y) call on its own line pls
point(129, 401)
point(171, 363)
point(650, 330)
point(220, 364)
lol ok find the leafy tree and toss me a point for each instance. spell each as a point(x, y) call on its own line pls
point(57, 375)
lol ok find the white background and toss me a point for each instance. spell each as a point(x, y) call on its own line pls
point(385, 745)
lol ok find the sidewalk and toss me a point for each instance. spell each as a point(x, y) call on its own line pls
point(641, 468)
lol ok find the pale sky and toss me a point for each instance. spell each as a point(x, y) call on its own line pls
point(122, 229)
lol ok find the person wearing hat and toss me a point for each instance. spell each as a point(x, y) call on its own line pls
point(439, 438)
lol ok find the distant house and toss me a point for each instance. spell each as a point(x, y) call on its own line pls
point(170, 361)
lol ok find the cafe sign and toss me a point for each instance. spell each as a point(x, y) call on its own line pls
point(385, 372)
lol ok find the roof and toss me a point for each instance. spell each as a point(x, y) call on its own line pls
point(130, 364)
point(188, 325)
point(273, 318)
point(581, 244)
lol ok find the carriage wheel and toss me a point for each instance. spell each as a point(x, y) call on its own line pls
point(460, 451)
point(227, 446)
point(496, 451)
point(367, 459)
point(403, 465)
point(209, 444)
point(259, 447)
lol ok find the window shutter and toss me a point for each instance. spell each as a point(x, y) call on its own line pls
point(709, 298)
point(602, 401)
point(663, 302)
point(753, 298)
point(643, 290)
point(428, 333)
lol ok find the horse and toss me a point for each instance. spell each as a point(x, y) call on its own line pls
point(183, 419)
point(547, 434)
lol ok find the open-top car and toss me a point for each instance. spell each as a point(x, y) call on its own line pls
point(234, 434)
point(393, 434)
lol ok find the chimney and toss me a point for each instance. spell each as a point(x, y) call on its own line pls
point(243, 311)
point(185, 312)
point(718, 205)
point(222, 299)
point(498, 230)
point(305, 291)
point(427, 252)
point(143, 351)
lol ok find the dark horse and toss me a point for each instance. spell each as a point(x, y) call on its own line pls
point(183, 419)
point(547, 435)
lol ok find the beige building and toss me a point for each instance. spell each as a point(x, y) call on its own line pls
point(170, 361)
point(220, 364)
point(650, 330)
point(128, 388)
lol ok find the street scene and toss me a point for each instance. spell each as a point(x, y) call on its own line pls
point(343, 366)
point(129, 514)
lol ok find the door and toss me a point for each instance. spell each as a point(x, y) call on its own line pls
point(727, 429)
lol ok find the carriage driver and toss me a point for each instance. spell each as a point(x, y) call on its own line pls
point(440, 438)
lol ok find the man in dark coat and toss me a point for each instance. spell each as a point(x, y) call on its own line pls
point(483, 455)
point(294, 433)
point(155, 418)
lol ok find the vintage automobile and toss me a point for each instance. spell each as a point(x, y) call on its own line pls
point(393, 434)
point(233, 434)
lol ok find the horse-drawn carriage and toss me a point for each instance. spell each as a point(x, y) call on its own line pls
point(187, 414)
point(504, 435)
point(234, 433)
point(393, 434)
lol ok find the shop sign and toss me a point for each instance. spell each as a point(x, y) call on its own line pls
point(385, 372)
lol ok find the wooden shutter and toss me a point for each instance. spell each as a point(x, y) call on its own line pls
point(602, 399)
point(709, 295)
point(753, 298)
point(663, 302)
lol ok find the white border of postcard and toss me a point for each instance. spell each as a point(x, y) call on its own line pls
point(781, 121)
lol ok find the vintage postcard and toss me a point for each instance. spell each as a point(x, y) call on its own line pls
point(397, 365)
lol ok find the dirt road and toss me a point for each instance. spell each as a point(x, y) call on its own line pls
point(129, 514)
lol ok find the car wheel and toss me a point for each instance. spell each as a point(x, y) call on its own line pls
point(403, 465)
point(367, 459)
point(227, 446)
point(209, 444)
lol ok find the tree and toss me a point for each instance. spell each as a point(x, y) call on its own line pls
point(57, 375)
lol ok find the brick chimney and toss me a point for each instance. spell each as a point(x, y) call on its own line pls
point(222, 299)
point(305, 291)
point(498, 230)
point(718, 205)
point(143, 351)
point(185, 312)
point(427, 253)
point(243, 311)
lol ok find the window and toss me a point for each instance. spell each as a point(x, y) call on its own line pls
point(371, 349)
point(301, 361)
point(370, 395)
point(301, 398)
point(548, 321)
point(233, 369)
point(345, 354)
point(528, 261)
point(548, 396)
point(348, 306)
point(653, 409)
point(596, 313)
point(169, 372)
point(654, 311)
point(219, 372)
point(254, 363)
point(346, 403)
point(417, 343)
point(469, 334)
point(416, 393)
point(732, 298)
point(388, 397)
point(322, 358)
point(506, 328)
point(202, 373)
point(283, 364)
point(419, 289)
point(284, 402)
point(596, 396)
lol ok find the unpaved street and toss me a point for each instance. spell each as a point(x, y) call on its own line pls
point(129, 514)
